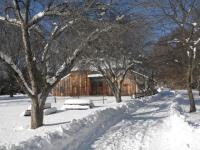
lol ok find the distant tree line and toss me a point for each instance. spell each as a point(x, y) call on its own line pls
point(176, 55)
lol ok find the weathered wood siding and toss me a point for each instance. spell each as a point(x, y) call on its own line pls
point(79, 84)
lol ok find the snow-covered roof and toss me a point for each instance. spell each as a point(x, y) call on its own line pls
point(66, 76)
point(94, 75)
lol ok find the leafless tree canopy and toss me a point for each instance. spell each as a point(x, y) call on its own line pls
point(184, 21)
point(117, 51)
point(50, 38)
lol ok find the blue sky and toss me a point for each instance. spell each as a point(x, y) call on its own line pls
point(127, 7)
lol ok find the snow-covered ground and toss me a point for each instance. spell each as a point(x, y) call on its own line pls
point(15, 128)
point(159, 122)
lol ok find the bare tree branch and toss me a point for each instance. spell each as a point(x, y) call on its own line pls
point(52, 11)
point(11, 21)
point(17, 10)
point(8, 60)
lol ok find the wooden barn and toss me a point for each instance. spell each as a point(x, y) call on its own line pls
point(85, 83)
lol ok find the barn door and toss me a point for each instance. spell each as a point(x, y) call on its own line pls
point(96, 86)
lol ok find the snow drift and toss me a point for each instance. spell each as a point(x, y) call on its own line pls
point(78, 132)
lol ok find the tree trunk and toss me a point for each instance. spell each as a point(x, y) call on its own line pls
point(11, 94)
point(118, 97)
point(117, 94)
point(199, 90)
point(191, 99)
point(199, 86)
point(190, 81)
point(36, 114)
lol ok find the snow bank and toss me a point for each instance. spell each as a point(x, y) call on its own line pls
point(81, 132)
point(50, 111)
point(78, 132)
point(180, 134)
point(78, 102)
point(75, 107)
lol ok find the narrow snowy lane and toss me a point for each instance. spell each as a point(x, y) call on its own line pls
point(138, 129)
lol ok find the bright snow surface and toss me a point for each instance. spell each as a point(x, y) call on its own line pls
point(159, 122)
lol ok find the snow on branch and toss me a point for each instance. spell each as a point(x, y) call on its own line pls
point(39, 16)
point(175, 41)
point(8, 60)
point(49, 12)
point(65, 68)
point(57, 31)
point(11, 21)
point(135, 62)
point(197, 41)
point(140, 74)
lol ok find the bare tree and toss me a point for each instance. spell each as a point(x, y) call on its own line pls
point(184, 17)
point(116, 52)
point(48, 24)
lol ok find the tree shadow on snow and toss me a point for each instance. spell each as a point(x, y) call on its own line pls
point(13, 98)
point(57, 123)
point(185, 101)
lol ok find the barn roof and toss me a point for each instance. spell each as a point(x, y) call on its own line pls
point(94, 75)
